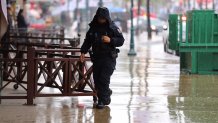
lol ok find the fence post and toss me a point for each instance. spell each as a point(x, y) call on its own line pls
point(1, 76)
point(5, 64)
point(30, 75)
point(19, 63)
point(82, 69)
point(66, 80)
point(50, 66)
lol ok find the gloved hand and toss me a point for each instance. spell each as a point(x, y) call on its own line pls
point(106, 39)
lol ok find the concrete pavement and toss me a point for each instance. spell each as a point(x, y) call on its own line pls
point(147, 88)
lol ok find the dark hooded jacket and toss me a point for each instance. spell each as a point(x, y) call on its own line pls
point(21, 22)
point(93, 36)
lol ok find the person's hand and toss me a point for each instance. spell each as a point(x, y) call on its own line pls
point(106, 39)
point(82, 57)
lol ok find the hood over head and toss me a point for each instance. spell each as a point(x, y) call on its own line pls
point(101, 12)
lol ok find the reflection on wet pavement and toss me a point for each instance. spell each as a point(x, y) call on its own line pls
point(147, 88)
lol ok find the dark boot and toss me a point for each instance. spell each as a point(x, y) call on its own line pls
point(108, 101)
point(100, 105)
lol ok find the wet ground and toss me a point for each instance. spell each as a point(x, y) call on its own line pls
point(147, 88)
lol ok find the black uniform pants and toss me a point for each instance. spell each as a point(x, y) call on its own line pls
point(103, 68)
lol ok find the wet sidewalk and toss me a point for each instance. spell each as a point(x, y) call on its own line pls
point(147, 88)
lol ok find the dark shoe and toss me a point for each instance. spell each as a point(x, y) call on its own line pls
point(100, 105)
point(107, 102)
point(109, 99)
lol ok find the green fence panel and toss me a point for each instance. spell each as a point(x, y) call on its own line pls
point(216, 28)
point(199, 62)
point(199, 52)
point(200, 27)
point(205, 61)
point(173, 32)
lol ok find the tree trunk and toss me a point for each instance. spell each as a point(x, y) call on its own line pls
point(189, 5)
point(206, 4)
point(201, 4)
point(149, 21)
point(139, 12)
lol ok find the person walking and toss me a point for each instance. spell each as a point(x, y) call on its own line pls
point(21, 22)
point(22, 27)
point(103, 37)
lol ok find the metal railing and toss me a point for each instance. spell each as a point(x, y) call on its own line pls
point(49, 68)
point(39, 63)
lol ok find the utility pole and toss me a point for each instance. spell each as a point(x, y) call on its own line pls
point(149, 21)
point(214, 5)
point(87, 14)
point(68, 7)
point(76, 10)
point(132, 45)
point(78, 17)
